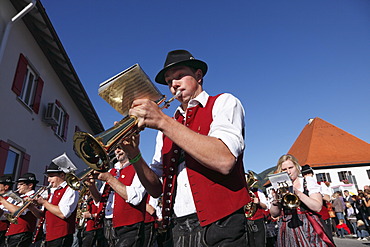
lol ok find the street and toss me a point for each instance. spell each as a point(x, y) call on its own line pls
point(353, 242)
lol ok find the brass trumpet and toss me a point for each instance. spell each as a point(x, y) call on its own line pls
point(94, 150)
point(76, 182)
point(288, 199)
point(251, 208)
point(13, 218)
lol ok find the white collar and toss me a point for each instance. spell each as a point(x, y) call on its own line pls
point(201, 99)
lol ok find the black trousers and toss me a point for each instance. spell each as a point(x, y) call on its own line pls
point(256, 232)
point(109, 233)
point(65, 241)
point(132, 235)
point(228, 231)
point(23, 239)
point(94, 238)
point(2, 238)
point(150, 234)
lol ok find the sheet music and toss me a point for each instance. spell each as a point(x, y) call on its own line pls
point(122, 89)
point(278, 178)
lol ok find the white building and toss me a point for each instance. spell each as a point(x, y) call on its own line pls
point(43, 101)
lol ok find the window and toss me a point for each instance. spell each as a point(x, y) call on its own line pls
point(27, 85)
point(344, 176)
point(62, 128)
point(13, 161)
point(368, 173)
point(323, 177)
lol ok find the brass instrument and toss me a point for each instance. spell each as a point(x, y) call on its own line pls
point(94, 150)
point(251, 208)
point(81, 209)
point(288, 199)
point(76, 182)
point(13, 218)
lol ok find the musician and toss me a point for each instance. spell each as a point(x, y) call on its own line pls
point(121, 202)
point(256, 223)
point(307, 173)
point(6, 184)
point(93, 234)
point(198, 153)
point(20, 234)
point(59, 210)
point(300, 226)
point(152, 210)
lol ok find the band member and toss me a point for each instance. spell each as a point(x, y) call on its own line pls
point(299, 226)
point(20, 232)
point(93, 234)
point(307, 171)
point(121, 202)
point(6, 184)
point(152, 209)
point(199, 153)
point(59, 210)
point(256, 223)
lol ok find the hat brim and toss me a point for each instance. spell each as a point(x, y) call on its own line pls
point(194, 63)
point(27, 181)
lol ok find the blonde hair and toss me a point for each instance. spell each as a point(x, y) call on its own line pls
point(286, 157)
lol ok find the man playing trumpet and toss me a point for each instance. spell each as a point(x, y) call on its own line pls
point(20, 233)
point(59, 210)
point(6, 184)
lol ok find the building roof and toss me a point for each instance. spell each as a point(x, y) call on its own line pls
point(39, 24)
point(321, 144)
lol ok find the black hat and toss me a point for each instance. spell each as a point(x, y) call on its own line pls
point(180, 57)
point(53, 168)
point(28, 178)
point(306, 169)
point(6, 179)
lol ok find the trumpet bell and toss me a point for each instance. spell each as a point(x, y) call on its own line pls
point(94, 150)
point(291, 201)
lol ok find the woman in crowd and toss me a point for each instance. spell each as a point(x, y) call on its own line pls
point(299, 226)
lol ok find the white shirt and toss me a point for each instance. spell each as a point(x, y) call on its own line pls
point(13, 201)
point(227, 125)
point(69, 200)
point(135, 192)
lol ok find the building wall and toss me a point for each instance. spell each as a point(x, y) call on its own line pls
point(20, 126)
point(360, 174)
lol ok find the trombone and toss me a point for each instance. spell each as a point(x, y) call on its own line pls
point(13, 218)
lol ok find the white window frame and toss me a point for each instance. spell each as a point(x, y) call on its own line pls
point(29, 87)
point(18, 165)
point(59, 131)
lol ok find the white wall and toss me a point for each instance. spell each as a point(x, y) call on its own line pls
point(20, 125)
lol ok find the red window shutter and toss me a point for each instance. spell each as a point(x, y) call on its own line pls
point(37, 100)
point(20, 73)
point(4, 148)
point(65, 127)
point(25, 163)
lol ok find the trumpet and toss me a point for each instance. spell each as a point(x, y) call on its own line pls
point(76, 182)
point(81, 208)
point(94, 150)
point(251, 208)
point(13, 218)
point(288, 199)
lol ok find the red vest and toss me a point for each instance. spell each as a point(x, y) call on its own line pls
point(26, 223)
point(4, 224)
point(93, 209)
point(260, 212)
point(55, 226)
point(125, 213)
point(215, 195)
point(148, 217)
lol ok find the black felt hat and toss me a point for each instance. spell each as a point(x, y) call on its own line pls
point(6, 179)
point(306, 169)
point(28, 178)
point(180, 57)
point(52, 168)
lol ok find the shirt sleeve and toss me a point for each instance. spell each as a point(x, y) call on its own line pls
point(228, 123)
point(68, 203)
point(135, 192)
point(312, 186)
point(156, 164)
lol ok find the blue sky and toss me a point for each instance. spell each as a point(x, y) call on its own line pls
point(287, 60)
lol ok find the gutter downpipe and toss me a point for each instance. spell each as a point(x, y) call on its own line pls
point(9, 25)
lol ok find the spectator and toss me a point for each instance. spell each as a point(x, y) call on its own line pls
point(338, 206)
point(342, 229)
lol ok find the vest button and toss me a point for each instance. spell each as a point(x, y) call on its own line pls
point(170, 177)
point(170, 185)
point(171, 169)
point(169, 193)
point(175, 151)
point(168, 201)
point(173, 160)
point(167, 209)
